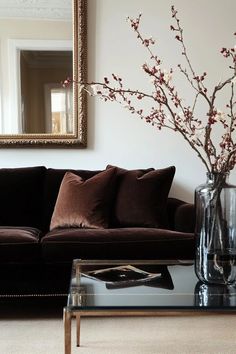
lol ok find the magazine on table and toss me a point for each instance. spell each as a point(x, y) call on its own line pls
point(124, 276)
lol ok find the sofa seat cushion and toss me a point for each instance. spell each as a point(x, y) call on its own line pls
point(63, 245)
point(19, 244)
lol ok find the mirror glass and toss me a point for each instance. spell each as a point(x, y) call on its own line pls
point(43, 95)
point(42, 45)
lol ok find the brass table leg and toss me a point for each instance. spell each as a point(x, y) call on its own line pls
point(78, 330)
point(67, 330)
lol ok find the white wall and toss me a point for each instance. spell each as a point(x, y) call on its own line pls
point(114, 135)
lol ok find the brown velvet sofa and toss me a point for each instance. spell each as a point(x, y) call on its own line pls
point(35, 260)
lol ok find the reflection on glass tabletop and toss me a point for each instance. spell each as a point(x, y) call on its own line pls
point(139, 284)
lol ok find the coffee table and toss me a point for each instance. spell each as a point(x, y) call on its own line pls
point(139, 288)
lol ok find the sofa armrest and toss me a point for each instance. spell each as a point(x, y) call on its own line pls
point(185, 218)
point(181, 215)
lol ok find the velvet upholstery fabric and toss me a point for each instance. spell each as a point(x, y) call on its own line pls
point(62, 245)
point(185, 218)
point(84, 203)
point(10, 235)
point(53, 179)
point(173, 204)
point(21, 196)
point(39, 263)
point(34, 278)
point(19, 245)
point(141, 199)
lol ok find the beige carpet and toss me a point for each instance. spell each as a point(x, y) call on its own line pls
point(28, 331)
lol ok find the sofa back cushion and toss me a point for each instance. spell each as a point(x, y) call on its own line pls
point(141, 199)
point(53, 179)
point(21, 196)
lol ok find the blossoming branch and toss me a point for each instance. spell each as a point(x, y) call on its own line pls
point(168, 109)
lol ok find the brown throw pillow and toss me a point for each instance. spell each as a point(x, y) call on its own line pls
point(84, 204)
point(142, 197)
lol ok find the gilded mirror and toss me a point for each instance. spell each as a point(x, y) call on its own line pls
point(41, 46)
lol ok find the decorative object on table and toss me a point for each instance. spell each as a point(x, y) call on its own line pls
point(215, 296)
point(213, 139)
point(215, 203)
point(125, 276)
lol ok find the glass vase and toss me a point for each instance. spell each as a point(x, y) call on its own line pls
point(215, 203)
point(214, 296)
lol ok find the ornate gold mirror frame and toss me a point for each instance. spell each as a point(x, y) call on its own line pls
point(78, 136)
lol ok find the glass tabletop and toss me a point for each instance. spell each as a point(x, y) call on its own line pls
point(143, 284)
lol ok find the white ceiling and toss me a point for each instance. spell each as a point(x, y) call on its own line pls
point(36, 9)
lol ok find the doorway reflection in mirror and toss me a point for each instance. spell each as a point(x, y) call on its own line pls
point(61, 111)
point(46, 106)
